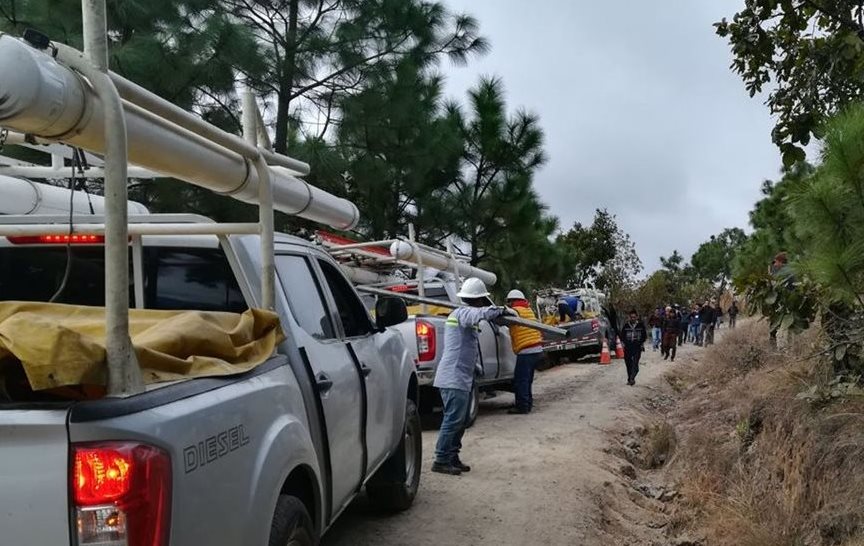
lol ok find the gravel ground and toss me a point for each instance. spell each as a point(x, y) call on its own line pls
point(535, 479)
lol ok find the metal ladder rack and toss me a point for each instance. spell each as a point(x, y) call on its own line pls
point(115, 100)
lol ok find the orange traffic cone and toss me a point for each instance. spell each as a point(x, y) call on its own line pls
point(619, 349)
point(605, 357)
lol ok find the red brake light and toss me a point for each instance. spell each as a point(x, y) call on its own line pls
point(425, 341)
point(101, 475)
point(75, 239)
point(122, 494)
point(595, 325)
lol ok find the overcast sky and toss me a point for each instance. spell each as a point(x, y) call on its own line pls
point(641, 112)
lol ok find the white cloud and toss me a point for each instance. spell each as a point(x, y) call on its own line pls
point(641, 112)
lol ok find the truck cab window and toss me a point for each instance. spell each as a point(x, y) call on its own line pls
point(35, 273)
point(304, 296)
point(197, 279)
point(355, 319)
point(190, 278)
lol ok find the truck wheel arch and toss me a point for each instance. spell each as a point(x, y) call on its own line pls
point(414, 389)
point(301, 483)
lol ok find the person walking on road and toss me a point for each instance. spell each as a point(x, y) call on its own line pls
point(655, 322)
point(708, 316)
point(528, 347)
point(733, 314)
point(695, 324)
point(684, 325)
point(455, 376)
point(633, 335)
point(670, 328)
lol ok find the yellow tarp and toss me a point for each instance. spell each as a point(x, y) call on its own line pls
point(64, 345)
point(430, 310)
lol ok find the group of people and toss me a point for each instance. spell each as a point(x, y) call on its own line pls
point(695, 324)
point(672, 326)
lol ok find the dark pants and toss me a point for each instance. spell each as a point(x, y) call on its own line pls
point(632, 354)
point(732, 321)
point(565, 312)
point(669, 349)
point(523, 379)
point(682, 335)
point(456, 406)
point(709, 334)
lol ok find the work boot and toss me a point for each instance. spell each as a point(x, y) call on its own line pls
point(446, 469)
point(460, 465)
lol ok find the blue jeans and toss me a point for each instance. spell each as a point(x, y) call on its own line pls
point(456, 405)
point(655, 337)
point(523, 378)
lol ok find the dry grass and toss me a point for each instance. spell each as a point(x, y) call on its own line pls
point(758, 466)
point(659, 444)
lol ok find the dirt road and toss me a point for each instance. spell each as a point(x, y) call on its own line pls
point(535, 479)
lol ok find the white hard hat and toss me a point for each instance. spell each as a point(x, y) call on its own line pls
point(473, 288)
point(515, 295)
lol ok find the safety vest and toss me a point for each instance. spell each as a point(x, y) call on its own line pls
point(522, 337)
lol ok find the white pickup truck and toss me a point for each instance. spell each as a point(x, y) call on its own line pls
point(271, 456)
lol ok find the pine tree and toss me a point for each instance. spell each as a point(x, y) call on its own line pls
point(828, 211)
point(317, 51)
point(493, 198)
point(401, 150)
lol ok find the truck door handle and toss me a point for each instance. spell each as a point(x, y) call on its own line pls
point(365, 370)
point(323, 383)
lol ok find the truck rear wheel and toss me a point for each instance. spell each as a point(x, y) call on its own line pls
point(394, 486)
point(291, 525)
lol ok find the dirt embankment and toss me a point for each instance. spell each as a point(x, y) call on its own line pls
point(758, 447)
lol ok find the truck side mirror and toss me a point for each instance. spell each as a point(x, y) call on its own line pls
point(390, 311)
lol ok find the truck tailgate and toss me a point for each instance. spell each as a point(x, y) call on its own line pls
point(34, 486)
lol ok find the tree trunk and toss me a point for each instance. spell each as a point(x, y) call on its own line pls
point(286, 84)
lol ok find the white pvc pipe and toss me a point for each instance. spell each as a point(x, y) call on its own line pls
point(404, 250)
point(38, 171)
point(18, 196)
point(48, 100)
point(358, 275)
point(136, 94)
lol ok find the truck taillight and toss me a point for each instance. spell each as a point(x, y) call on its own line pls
point(595, 325)
point(425, 341)
point(122, 494)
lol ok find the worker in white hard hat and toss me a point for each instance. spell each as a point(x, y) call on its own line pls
point(528, 346)
point(455, 375)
